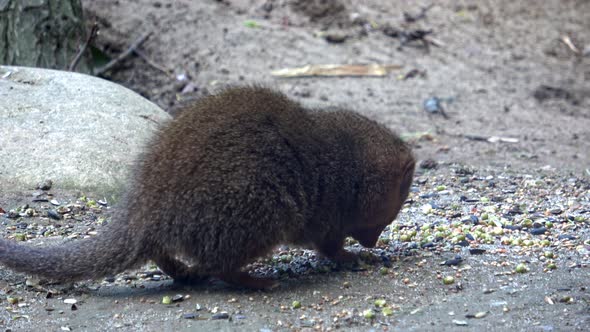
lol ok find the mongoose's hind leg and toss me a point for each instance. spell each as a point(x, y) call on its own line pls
point(178, 270)
point(243, 279)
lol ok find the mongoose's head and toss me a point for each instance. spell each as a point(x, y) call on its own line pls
point(388, 167)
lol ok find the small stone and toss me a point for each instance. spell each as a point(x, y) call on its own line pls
point(453, 262)
point(335, 37)
point(538, 231)
point(221, 315)
point(54, 215)
point(459, 322)
point(190, 315)
point(476, 251)
point(177, 298)
point(433, 105)
point(45, 185)
point(70, 301)
point(428, 164)
point(12, 300)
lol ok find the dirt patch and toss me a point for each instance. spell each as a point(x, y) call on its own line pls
point(325, 12)
point(485, 62)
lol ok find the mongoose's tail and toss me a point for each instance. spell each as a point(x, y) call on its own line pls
point(111, 251)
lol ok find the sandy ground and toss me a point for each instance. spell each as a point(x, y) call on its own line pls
point(494, 58)
point(500, 69)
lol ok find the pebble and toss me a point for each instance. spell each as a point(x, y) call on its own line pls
point(54, 215)
point(433, 105)
point(335, 37)
point(45, 185)
point(428, 164)
point(221, 315)
point(476, 251)
point(538, 231)
point(453, 262)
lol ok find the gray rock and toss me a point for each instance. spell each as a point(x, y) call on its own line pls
point(80, 131)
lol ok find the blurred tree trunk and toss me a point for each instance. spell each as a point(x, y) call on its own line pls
point(42, 33)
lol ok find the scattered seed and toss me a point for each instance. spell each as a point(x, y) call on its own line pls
point(369, 314)
point(521, 268)
point(380, 303)
point(296, 305)
point(566, 299)
point(387, 311)
point(70, 301)
point(166, 300)
point(459, 322)
point(448, 280)
point(481, 314)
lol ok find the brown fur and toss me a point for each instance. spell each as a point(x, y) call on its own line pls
point(231, 177)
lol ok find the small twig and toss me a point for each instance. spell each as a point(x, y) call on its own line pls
point(152, 63)
point(123, 55)
point(569, 43)
point(409, 18)
point(491, 139)
point(91, 36)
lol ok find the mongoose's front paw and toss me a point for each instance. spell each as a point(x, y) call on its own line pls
point(344, 257)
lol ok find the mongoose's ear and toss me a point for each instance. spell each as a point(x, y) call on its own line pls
point(406, 181)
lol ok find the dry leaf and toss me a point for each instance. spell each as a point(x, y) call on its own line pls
point(336, 70)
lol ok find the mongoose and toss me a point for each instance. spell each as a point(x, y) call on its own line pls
point(234, 175)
